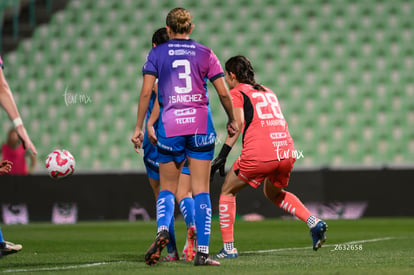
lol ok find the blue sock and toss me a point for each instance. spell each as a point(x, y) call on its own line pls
point(1, 236)
point(165, 210)
point(202, 206)
point(172, 245)
point(187, 209)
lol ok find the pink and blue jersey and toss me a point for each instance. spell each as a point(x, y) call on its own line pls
point(182, 67)
point(1, 63)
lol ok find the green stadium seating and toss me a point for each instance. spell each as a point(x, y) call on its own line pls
point(342, 71)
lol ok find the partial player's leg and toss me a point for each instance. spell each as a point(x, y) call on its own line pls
point(186, 202)
point(6, 247)
point(273, 190)
point(227, 213)
point(171, 246)
point(200, 152)
point(169, 175)
point(152, 167)
point(172, 252)
point(155, 186)
point(200, 182)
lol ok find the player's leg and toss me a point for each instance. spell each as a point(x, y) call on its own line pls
point(152, 167)
point(273, 190)
point(200, 180)
point(170, 162)
point(1, 236)
point(186, 202)
point(227, 213)
point(155, 186)
point(184, 197)
point(200, 170)
point(200, 152)
point(169, 174)
point(172, 252)
point(172, 245)
point(6, 247)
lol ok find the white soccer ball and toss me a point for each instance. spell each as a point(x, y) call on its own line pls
point(60, 164)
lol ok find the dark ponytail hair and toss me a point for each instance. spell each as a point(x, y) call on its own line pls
point(160, 36)
point(243, 69)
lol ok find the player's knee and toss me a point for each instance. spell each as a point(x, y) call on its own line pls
point(267, 194)
point(271, 192)
point(182, 195)
point(228, 190)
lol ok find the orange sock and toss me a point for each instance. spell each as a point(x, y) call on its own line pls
point(291, 204)
point(227, 215)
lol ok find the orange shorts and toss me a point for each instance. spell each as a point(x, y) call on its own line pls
point(254, 172)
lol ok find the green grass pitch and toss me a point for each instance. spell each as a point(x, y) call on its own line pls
point(273, 246)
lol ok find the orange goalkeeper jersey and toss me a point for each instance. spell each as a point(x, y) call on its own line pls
point(265, 132)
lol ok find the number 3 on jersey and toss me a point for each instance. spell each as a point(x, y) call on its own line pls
point(185, 75)
point(264, 100)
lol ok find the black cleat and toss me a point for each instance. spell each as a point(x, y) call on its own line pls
point(204, 259)
point(154, 251)
point(7, 248)
point(318, 234)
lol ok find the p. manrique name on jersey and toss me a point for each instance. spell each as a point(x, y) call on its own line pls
point(272, 122)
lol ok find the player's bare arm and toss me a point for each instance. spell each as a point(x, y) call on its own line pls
point(220, 161)
point(6, 98)
point(143, 104)
point(9, 105)
point(225, 99)
point(239, 119)
point(153, 118)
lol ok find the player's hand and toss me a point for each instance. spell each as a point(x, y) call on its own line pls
point(232, 128)
point(24, 138)
point(5, 167)
point(137, 138)
point(220, 161)
point(218, 164)
point(151, 134)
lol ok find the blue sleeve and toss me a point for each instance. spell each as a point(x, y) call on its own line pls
point(150, 65)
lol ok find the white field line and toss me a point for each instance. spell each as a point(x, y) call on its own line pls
point(307, 247)
point(58, 268)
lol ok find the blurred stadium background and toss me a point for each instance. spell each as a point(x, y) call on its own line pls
point(342, 69)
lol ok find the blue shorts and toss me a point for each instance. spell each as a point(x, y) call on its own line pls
point(179, 148)
point(185, 169)
point(151, 160)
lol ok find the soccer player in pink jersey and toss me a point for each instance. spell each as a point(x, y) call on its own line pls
point(267, 155)
point(13, 151)
point(185, 130)
point(9, 105)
